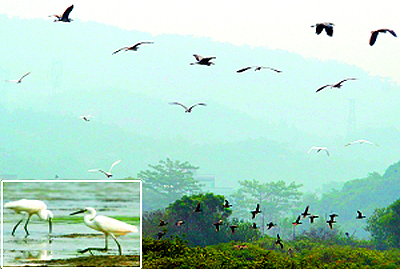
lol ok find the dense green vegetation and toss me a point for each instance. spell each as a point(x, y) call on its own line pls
point(301, 253)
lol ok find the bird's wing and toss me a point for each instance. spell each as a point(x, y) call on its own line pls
point(198, 104)
point(57, 16)
point(372, 40)
point(67, 11)
point(359, 212)
point(144, 42)
point(306, 210)
point(273, 69)
point(198, 57)
point(243, 69)
point(180, 104)
point(118, 50)
point(319, 89)
point(346, 79)
point(114, 164)
point(24, 75)
point(329, 30)
point(392, 32)
point(95, 170)
point(110, 225)
point(311, 149)
point(319, 28)
point(298, 218)
point(327, 152)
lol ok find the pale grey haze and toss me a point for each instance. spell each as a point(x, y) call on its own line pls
point(256, 125)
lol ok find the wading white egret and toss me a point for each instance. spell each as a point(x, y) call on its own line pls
point(106, 225)
point(107, 173)
point(20, 79)
point(30, 207)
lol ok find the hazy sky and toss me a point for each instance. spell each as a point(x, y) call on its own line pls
point(272, 24)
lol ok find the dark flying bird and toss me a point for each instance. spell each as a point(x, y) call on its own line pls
point(227, 205)
point(233, 227)
point(312, 217)
point(257, 68)
point(187, 109)
point(160, 234)
point(270, 225)
point(374, 35)
point(305, 213)
point(333, 216)
point(65, 16)
point(297, 222)
point(217, 224)
point(255, 212)
point(203, 60)
point(336, 85)
point(254, 226)
point(197, 209)
point(162, 223)
point(278, 241)
point(360, 215)
point(330, 223)
point(328, 26)
point(134, 47)
point(20, 79)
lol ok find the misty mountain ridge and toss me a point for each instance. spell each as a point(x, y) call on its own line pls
point(255, 125)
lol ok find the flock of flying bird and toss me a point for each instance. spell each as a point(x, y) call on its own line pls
point(305, 214)
point(111, 226)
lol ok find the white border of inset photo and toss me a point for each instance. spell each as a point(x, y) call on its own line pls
point(80, 181)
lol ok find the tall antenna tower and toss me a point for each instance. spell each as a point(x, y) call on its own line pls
point(351, 119)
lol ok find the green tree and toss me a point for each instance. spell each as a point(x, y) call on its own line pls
point(275, 199)
point(384, 226)
point(167, 182)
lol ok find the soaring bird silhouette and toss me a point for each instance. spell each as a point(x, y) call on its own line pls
point(133, 48)
point(360, 141)
point(203, 60)
point(107, 173)
point(86, 118)
point(360, 215)
point(297, 221)
point(20, 79)
point(233, 227)
point(65, 16)
point(328, 26)
point(330, 223)
point(217, 224)
point(305, 213)
point(336, 85)
point(374, 35)
point(319, 149)
point(257, 68)
point(278, 241)
point(227, 205)
point(197, 209)
point(255, 212)
point(187, 109)
point(312, 217)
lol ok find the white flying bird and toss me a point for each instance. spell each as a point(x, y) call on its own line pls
point(20, 79)
point(107, 173)
point(187, 109)
point(360, 141)
point(319, 149)
point(258, 68)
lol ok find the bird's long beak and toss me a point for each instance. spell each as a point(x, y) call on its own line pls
point(78, 212)
point(50, 227)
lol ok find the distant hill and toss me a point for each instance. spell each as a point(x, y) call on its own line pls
point(255, 125)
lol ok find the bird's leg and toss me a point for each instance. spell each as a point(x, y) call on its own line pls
point(26, 225)
point(100, 249)
point(15, 227)
point(50, 227)
point(119, 246)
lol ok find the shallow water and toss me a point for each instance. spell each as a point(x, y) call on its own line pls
point(119, 200)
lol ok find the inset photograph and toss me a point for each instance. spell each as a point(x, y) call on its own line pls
point(71, 223)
